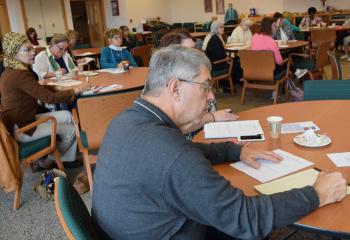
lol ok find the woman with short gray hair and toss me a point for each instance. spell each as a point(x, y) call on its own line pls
point(242, 32)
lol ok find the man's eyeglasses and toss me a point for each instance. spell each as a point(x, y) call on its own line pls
point(30, 49)
point(207, 86)
point(61, 48)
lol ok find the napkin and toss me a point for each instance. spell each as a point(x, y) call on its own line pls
point(311, 138)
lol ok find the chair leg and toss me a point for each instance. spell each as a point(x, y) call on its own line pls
point(286, 89)
point(310, 75)
point(88, 170)
point(216, 83)
point(17, 200)
point(276, 93)
point(231, 85)
point(243, 92)
point(58, 159)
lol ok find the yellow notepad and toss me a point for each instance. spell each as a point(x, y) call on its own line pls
point(297, 180)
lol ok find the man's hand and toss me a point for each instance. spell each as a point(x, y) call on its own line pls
point(249, 156)
point(330, 187)
point(224, 115)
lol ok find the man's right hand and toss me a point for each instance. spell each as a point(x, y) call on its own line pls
point(330, 187)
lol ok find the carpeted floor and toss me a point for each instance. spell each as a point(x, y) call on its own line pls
point(36, 219)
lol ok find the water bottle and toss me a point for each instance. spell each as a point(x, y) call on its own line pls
point(212, 106)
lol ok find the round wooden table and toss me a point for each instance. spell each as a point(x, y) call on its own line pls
point(85, 52)
point(198, 34)
point(332, 117)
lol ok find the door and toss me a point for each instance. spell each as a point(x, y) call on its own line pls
point(53, 17)
point(34, 17)
point(96, 23)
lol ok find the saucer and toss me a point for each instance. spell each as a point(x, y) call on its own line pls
point(300, 140)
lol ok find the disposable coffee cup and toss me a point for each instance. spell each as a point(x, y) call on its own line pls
point(58, 75)
point(275, 124)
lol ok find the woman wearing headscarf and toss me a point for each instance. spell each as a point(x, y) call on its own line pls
point(20, 92)
point(54, 58)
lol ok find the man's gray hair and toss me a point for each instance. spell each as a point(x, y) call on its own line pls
point(172, 62)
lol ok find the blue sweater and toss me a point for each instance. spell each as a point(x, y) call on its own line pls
point(111, 58)
point(151, 183)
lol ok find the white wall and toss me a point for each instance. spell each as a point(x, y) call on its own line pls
point(15, 15)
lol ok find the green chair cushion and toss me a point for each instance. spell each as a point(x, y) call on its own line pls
point(279, 75)
point(219, 72)
point(84, 139)
point(74, 211)
point(29, 148)
point(302, 63)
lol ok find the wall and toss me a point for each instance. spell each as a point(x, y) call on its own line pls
point(15, 15)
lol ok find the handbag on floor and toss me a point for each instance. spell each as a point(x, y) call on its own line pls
point(45, 187)
point(296, 94)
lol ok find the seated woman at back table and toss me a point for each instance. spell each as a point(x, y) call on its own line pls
point(264, 41)
point(242, 32)
point(214, 48)
point(54, 58)
point(129, 40)
point(280, 30)
point(114, 55)
point(311, 20)
point(32, 36)
point(20, 92)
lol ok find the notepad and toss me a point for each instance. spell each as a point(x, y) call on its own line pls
point(340, 159)
point(232, 129)
point(269, 170)
point(84, 54)
point(298, 127)
point(297, 180)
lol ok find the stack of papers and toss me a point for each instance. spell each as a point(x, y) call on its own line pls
point(269, 170)
point(87, 60)
point(65, 83)
point(101, 89)
point(112, 70)
point(299, 127)
point(297, 180)
point(85, 54)
point(232, 129)
point(340, 159)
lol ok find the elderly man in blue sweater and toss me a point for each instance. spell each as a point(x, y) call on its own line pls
point(152, 183)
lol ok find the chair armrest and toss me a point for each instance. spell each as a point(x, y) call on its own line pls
point(38, 122)
point(227, 60)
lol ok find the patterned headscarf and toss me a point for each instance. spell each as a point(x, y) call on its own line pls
point(11, 44)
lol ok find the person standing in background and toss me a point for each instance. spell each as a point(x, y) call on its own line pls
point(231, 15)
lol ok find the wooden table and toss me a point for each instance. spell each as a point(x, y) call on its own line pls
point(332, 118)
point(198, 34)
point(134, 79)
point(81, 52)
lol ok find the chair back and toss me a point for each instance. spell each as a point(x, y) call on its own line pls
point(72, 212)
point(189, 26)
point(37, 50)
point(321, 54)
point(336, 67)
point(327, 90)
point(139, 39)
point(176, 26)
point(95, 113)
point(322, 35)
point(144, 52)
point(257, 65)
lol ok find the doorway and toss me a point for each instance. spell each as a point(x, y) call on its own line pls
point(89, 20)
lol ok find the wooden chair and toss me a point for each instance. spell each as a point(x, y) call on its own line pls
point(314, 65)
point(224, 74)
point(39, 49)
point(327, 90)
point(336, 67)
point(91, 119)
point(27, 153)
point(144, 52)
point(318, 36)
point(72, 212)
point(258, 72)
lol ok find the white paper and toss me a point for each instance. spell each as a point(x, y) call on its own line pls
point(269, 170)
point(298, 127)
point(112, 70)
point(340, 159)
point(65, 83)
point(85, 54)
point(232, 129)
point(87, 60)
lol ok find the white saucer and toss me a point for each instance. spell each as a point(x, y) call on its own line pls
point(300, 140)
